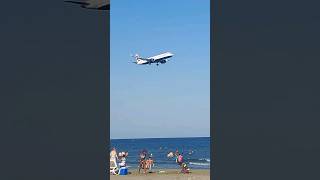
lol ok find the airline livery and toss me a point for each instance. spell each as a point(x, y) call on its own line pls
point(161, 58)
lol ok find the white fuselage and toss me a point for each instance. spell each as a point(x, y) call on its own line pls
point(161, 58)
point(140, 62)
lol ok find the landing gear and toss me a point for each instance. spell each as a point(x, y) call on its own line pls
point(157, 64)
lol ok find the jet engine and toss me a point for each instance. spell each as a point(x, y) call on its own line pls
point(163, 61)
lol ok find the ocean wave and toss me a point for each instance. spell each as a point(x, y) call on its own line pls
point(204, 159)
point(199, 164)
point(201, 160)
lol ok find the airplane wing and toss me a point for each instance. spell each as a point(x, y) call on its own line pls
point(93, 4)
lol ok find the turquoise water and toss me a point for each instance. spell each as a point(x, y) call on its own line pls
point(196, 151)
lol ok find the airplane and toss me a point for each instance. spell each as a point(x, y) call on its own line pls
point(93, 4)
point(161, 58)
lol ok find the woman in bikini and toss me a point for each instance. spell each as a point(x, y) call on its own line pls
point(113, 157)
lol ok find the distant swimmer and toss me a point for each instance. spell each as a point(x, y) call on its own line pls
point(191, 152)
point(161, 58)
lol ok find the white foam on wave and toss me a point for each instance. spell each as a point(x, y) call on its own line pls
point(199, 164)
point(204, 159)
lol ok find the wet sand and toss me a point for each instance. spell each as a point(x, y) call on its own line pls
point(164, 174)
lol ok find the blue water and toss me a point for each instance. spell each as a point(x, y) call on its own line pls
point(196, 151)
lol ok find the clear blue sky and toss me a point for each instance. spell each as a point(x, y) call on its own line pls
point(169, 100)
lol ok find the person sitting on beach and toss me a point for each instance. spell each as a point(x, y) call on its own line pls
point(184, 168)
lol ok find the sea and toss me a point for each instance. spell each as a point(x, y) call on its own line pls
point(196, 151)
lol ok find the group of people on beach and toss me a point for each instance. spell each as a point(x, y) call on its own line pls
point(146, 161)
point(114, 157)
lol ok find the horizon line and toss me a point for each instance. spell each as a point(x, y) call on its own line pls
point(159, 138)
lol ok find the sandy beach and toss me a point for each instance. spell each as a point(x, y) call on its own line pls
point(164, 174)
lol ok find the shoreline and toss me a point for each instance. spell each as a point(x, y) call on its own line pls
point(165, 174)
